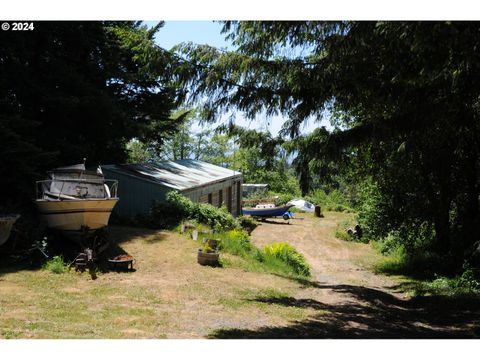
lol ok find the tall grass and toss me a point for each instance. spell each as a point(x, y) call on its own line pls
point(289, 255)
point(333, 201)
point(279, 258)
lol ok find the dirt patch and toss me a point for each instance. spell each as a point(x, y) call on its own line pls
point(351, 301)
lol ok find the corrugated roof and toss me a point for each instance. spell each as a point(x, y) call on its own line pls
point(179, 174)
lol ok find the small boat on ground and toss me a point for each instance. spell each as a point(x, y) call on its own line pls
point(75, 199)
point(76, 204)
point(6, 223)
point(268, 210)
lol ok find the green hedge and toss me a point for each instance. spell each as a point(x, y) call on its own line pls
point(178, 208)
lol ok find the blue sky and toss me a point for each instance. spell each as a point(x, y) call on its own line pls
point(199, 32)
point(208, 32)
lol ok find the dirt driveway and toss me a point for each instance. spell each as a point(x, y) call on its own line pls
point(352, 301)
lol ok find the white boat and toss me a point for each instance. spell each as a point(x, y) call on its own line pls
point(74, 199)
point(303, 205)
point(6, 223)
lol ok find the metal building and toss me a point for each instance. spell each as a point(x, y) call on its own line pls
point(250, 189)
point(140, 185)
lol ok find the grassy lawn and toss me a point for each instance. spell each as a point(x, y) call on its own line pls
point(168, 296)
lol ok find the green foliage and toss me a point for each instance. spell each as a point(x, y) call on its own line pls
point(218, 219)
point(297, 210)
point(289, 255)
point(56, 265)
point(466, 284)
point(177, 208)
point(342, 234)
point(206, 248)
point(421, 265)
point(404, 111)
point(84, 92)
point(137, 152)
point(282, 198)
point(333, 201)
point(389, 244)
point(236, 242)
point(277, 258)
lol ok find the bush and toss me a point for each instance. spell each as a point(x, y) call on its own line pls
point(468, 283)
point(289, 255)
point(235, 242)
point(342, 232)
point(333, 201)
point(178, 208)
point(218, 219)
point(389, 243)
point(279, 258)
point(56, 265)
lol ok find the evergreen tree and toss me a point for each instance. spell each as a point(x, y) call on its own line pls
point(74, 90)
point(404, 98)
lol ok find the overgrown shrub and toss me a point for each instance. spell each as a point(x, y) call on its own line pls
point(290, 255)
point(468, 283)
point(333, 201)
point(343, 233)
point(235, 242)
point(389, 243)
point(56, 265)
point(218, 219)
point(279, 258)
point(177, 208)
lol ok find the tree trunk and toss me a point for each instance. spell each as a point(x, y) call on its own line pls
point(471, 216)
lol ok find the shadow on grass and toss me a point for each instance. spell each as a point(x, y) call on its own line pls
point(373, 314)
point(120, 234)
point(274, 221)
point(10, 263)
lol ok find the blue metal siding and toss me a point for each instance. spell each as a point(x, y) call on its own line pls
point(136, 195)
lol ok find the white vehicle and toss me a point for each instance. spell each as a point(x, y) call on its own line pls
point(303, 205)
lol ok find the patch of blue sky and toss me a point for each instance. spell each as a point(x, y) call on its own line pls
point(209, 32)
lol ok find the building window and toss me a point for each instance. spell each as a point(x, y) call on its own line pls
point(239, 199)
point(220, 198)
point(210, 198)
point(229, 199)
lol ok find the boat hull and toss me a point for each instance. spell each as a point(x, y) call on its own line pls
point(266, 212)
point(6, 223)
point(76, 215)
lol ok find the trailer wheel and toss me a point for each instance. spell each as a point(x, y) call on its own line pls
point(286, 217)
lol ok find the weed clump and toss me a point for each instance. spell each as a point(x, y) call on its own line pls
point(288, 254)
point(279, 258)
point(56, 265)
